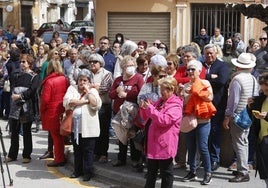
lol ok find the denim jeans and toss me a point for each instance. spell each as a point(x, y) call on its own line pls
point(198, 138)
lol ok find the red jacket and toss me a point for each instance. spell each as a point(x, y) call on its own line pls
point(54, 88)
point(182, 77)
point(197, 105)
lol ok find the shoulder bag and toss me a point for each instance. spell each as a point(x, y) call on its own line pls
point(188, 123)
point(66, 125)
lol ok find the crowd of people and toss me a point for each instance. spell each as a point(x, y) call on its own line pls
point(139, 93)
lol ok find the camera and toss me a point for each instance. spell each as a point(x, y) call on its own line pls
point(23, 45)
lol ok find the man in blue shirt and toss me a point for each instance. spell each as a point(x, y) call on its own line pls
point(105, 52)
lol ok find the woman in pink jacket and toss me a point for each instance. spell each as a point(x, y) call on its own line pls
point(54, 88)
point(162, 139)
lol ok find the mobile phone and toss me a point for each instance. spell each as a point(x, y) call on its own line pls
point(143, 97)
point(256, 112)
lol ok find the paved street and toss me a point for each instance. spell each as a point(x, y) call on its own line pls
point(36, 173)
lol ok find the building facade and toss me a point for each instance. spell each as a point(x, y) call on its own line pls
point(30, 14)
point(175, 22)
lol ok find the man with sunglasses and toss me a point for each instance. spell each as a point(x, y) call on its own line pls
point(260, 62)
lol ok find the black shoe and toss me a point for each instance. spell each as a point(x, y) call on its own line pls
point(214, 166)
point(55, 164)
point(138, 168)
point(235, 173)
point(86, 177)
point(48, 154)
point(190, 177)
point(75, 175)
point(5, 118)
point(119, 163)
point(240, 178)
point(207, 179)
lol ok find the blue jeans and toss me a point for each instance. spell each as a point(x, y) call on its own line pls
point(198, 138)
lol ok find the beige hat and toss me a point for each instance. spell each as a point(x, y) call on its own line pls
point(245, 60)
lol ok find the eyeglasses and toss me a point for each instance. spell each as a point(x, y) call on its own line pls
point(190, 70)
point(169, 63)
point(262, 38)
point(95, 62)
point(162, 76)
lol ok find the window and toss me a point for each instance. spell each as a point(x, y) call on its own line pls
point(210, 16)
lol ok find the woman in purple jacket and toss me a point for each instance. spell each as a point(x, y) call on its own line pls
point(163, 131)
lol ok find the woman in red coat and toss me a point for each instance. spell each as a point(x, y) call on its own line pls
point(54, 88)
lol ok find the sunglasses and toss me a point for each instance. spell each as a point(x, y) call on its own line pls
point(169, 63)
point(95, 62)
point(190, 70)
point(161, 76)
point(262, 38)
point(156, 44)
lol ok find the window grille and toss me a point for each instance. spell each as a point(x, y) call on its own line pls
point(210, 16)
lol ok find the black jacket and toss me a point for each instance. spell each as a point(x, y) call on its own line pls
point(257, 105)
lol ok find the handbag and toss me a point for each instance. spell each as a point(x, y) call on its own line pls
point(242, 119)
point(6, 87)
point(66, 125)
point(188, 123)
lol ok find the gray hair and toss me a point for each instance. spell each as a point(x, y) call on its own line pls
point(85, 72)
point(191, 49)
point(128, 48)
point(238, 35)
point(208, 46)
point(195, 63)
point(97, 57)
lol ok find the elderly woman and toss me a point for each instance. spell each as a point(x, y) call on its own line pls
point(258, 106)
point(198, 92)
point(25, 83)
point(128, 48)
point(85, 102)
point(102, 80)
point(126, 88)
point(54, 87)
point(162, 141)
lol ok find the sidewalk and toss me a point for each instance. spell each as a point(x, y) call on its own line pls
point(125, 177)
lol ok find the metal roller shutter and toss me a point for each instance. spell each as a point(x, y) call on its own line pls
point(140, 26)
